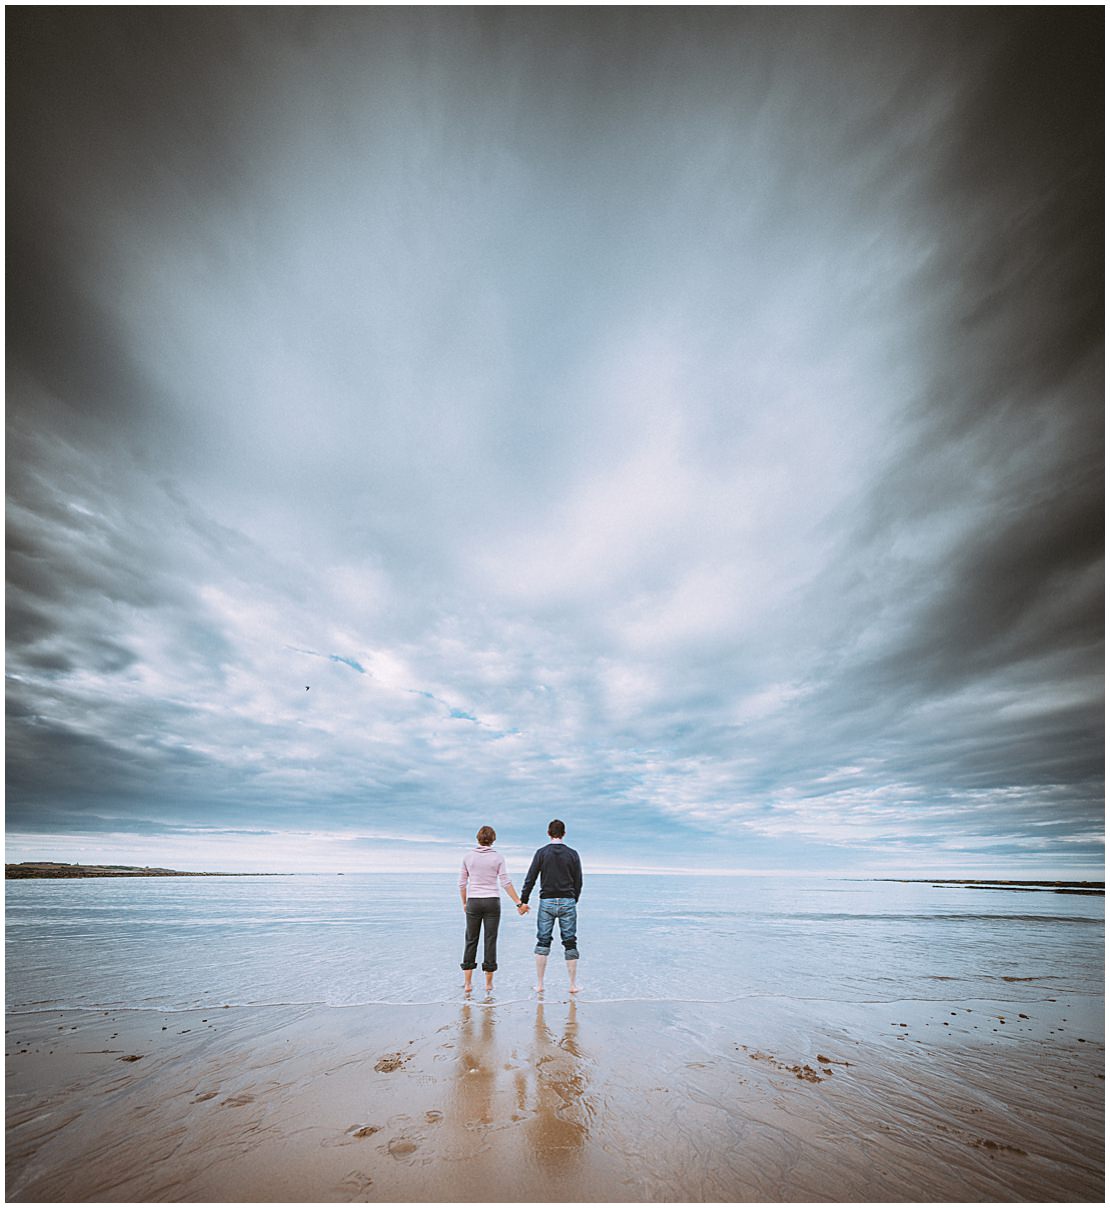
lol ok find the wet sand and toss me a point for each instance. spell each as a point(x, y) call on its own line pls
point(755, 1100)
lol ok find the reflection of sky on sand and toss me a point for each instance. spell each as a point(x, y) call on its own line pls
point(542, 1086)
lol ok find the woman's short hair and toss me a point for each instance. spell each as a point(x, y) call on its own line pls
point(486, 836)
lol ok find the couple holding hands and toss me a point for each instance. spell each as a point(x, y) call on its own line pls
point(560, 875)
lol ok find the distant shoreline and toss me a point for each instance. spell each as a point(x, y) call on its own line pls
point(48, 870)
point(1091, 887)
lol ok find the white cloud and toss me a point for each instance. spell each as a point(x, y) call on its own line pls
point(610, 431)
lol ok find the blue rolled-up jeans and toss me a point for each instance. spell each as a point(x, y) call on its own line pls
point(566, 911)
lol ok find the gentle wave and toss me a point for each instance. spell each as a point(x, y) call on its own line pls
point(479, 998)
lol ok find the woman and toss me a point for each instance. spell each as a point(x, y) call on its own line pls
point(482, 868)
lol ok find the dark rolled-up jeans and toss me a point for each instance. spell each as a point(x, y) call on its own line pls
point(482, 913)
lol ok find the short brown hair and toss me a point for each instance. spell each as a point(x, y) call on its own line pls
point(556, 829)
point(486, 836)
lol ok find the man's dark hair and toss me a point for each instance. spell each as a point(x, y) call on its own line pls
point(556, 829)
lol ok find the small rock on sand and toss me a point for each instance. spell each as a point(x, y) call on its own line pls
point(390, 1062)
point(999, 1147)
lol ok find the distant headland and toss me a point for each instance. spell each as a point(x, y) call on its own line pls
point(1093, 887)
point(50, 869)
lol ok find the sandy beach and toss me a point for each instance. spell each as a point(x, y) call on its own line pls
point(754, 1100)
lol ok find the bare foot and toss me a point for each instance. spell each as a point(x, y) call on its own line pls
point(538, 989)
point(575, 989)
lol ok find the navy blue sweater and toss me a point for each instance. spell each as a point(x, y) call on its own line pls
point(559, 870)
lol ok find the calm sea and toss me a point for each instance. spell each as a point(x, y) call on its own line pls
point(339, 940)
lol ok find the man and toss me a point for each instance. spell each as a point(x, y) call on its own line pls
point(560, 873)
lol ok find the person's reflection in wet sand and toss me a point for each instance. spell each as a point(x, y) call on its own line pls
point(477, 1071)
point(559, 1112)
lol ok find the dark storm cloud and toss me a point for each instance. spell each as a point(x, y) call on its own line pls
point(1027, 588)
point(1009, 421)
point(687, 417)
point(1019, 193)
point(94, 101)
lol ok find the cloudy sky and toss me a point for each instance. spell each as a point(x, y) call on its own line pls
point(684, 422)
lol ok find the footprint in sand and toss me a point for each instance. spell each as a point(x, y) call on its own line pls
point(353, 1135)
point(356, 1182)
point(433, 1116)
point(403, 1147)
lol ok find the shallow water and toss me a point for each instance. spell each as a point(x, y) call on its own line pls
point(180, 942)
